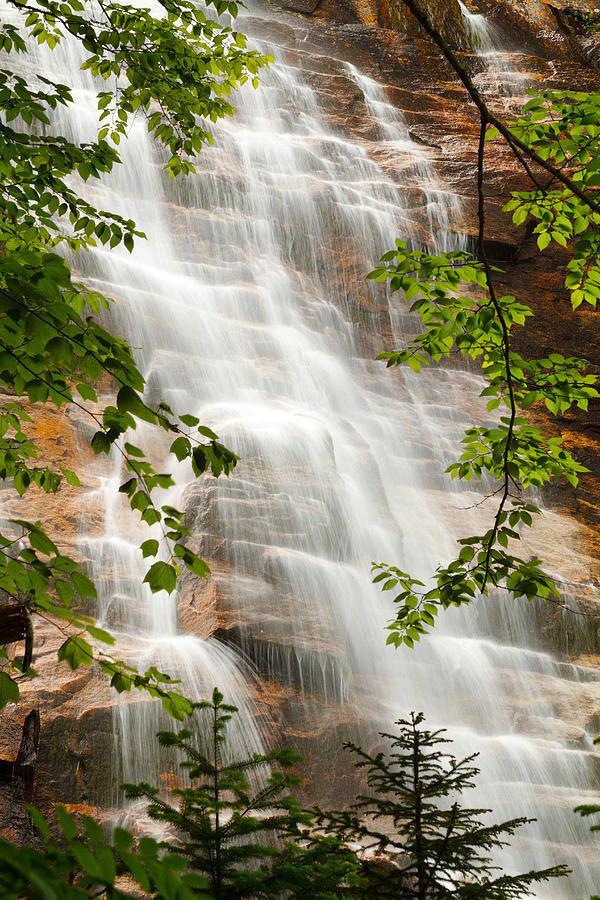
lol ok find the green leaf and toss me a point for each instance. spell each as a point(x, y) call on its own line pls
point(101, 443)
point(40, 541)
point(86, 392)
point(121, 682)
point(67, 822)
point(544, 240)
point(207, 432)
point(100, 634)
point(177, 707)
point(84, 586)
point(76, 651)
point(161, 576)
point(129, 401)
point(71, 477)
point(39, 822)
point(21, 481)
point(9, 689)
point(181, 448)
point(87, 861)
point(149, 548)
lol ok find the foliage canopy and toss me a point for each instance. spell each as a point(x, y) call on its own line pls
point(176, 70)
point(556, 140)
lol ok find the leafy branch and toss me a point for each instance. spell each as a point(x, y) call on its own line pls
point(178, 69)
point(462, 310)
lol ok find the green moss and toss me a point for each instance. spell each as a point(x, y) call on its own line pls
point(589, 21)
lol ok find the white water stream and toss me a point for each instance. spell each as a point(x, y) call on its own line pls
point(250, 304)
point(501, 73)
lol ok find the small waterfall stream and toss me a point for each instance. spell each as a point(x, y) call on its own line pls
point(250, 306)
point(442, 208)
point(501, 74)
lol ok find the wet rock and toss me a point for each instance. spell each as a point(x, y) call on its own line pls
point(446, 17)
point(303, 6)
point(552, 728)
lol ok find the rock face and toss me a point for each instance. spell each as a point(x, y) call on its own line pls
point(302, 6)
point(257, 613)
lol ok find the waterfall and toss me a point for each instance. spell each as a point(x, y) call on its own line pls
point(500, 68)
point(442, 208)
point(250, 304)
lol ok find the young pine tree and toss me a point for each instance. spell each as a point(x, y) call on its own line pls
point(238, 826)
point(429, 846)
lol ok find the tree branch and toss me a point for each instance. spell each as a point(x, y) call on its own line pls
point(481, 252)
point(487, 114)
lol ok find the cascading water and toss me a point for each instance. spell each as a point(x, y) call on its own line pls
point(250, 304)
point(501, 72)
point(146, 629)
point(442, 208)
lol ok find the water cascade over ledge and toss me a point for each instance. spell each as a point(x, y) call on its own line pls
point(250, 304)
point(501, 73)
